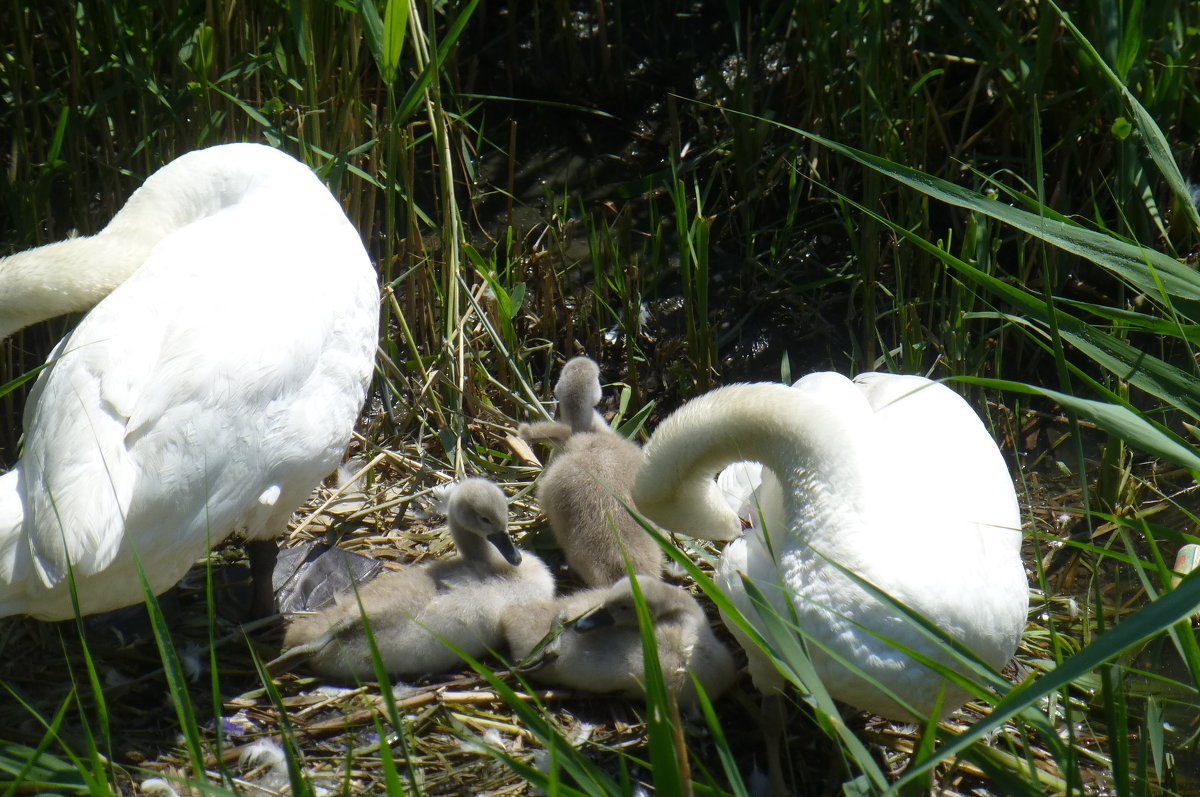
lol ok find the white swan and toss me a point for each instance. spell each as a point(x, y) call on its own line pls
point(211, 390)
point(459, 599)
point(580, 488)
point(599, 648)
point(894, 478)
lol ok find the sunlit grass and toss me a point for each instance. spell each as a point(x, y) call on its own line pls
point(693, 193)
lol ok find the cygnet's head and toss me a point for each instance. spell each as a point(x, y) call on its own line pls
point(619, 607)
point(578, 392)
point(478, 506)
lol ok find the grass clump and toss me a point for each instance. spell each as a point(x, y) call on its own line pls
point(692, 194)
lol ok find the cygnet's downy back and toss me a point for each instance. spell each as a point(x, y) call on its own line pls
point(582, 488)
point(600, 650)
point(459, 599)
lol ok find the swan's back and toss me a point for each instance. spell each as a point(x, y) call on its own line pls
point(932, 430)
point(947, 500)
point(209, 392)
point(904, 488)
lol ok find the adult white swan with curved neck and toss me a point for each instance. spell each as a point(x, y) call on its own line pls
point(216, 382)
point(892, 477)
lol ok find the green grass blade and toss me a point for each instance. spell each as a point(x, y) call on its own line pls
point(1125, 635)
point(585, 772)
point(395, 27)
point(1132, 263)
point(372, 27)
point(1123, 422)
point(291, 747)
point(29, 770)
point(13, 384)
point(412, 98)
point(176, 680)
point(1153, 138)
point(1155, 376)
point(391, 776)
point(724, 752)
point(661, 713)
point(35, 768)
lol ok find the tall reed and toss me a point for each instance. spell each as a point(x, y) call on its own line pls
point(699, 192)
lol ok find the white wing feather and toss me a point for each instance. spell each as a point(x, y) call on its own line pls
point(226, 372)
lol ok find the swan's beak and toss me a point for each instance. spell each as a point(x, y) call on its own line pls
point(506, 548)
point(599, 617)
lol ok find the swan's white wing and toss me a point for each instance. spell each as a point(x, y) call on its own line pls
point(944, 455)
point(211, 391)
point(14, 553)
point(953, 512)
point(748, 556)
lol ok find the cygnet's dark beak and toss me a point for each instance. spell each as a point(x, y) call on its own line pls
point(599, 617)
point(504, 545)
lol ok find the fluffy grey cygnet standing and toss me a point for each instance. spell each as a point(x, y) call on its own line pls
point(579, 489)
point(459, 599)
point(600, 647)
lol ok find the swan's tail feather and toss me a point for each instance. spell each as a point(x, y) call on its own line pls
point(12, 518)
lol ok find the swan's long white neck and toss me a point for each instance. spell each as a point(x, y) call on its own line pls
point(808, 439)
point(75, 274)
point(50, 281)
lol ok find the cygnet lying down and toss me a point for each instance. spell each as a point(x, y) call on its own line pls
point(599, 648)
point(459, 599)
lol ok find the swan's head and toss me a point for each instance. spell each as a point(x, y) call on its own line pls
point(477, 506)
point(578, 392)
